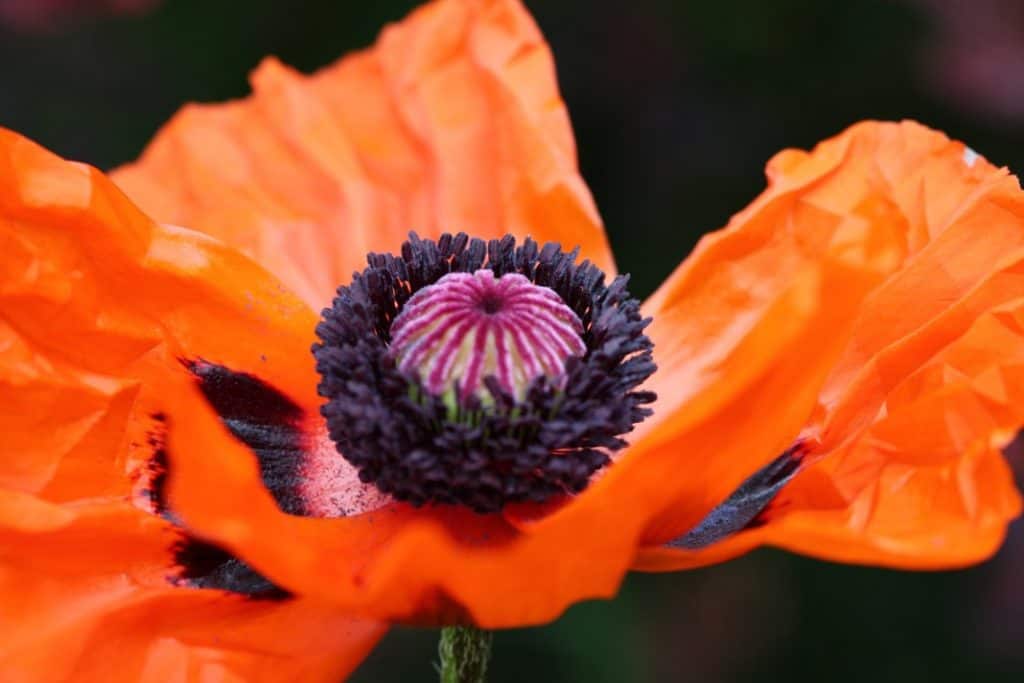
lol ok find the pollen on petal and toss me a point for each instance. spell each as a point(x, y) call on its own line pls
point(467, 327)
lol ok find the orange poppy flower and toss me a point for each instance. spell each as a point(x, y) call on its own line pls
point(838, 367)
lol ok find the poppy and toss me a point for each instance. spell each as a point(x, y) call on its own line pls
point(837, 369)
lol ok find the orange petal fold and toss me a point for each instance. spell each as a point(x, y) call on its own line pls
point(451, 122)
point(903, 466)
point(97, 306)
point(85, 599)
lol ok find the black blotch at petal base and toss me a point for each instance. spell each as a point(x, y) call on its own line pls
point(270, 424)
point(743, 507)
point(265, 420)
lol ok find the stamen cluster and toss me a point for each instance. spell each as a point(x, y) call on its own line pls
point(526, 443)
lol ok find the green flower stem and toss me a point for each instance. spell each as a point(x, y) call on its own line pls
point(464, 653)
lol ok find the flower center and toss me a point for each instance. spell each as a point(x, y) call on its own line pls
point(475, 373)
point(470, 326)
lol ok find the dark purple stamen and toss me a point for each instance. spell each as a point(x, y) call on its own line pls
point(544, 406)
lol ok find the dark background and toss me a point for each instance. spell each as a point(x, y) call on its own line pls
point(676, 107)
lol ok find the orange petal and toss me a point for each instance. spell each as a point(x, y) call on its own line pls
point(85, 599)
point(98, 305)
point(436, 565)
point(904, 466)
point(452, 122)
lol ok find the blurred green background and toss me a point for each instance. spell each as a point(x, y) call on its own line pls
point(676, 107)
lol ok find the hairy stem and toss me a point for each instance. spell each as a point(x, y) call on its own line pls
point(464, 653)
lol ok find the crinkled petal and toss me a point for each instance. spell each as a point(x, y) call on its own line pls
point(97, 306)
point(902, 464)
point(433, 565)
point(85, 598)
point(452, 122)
